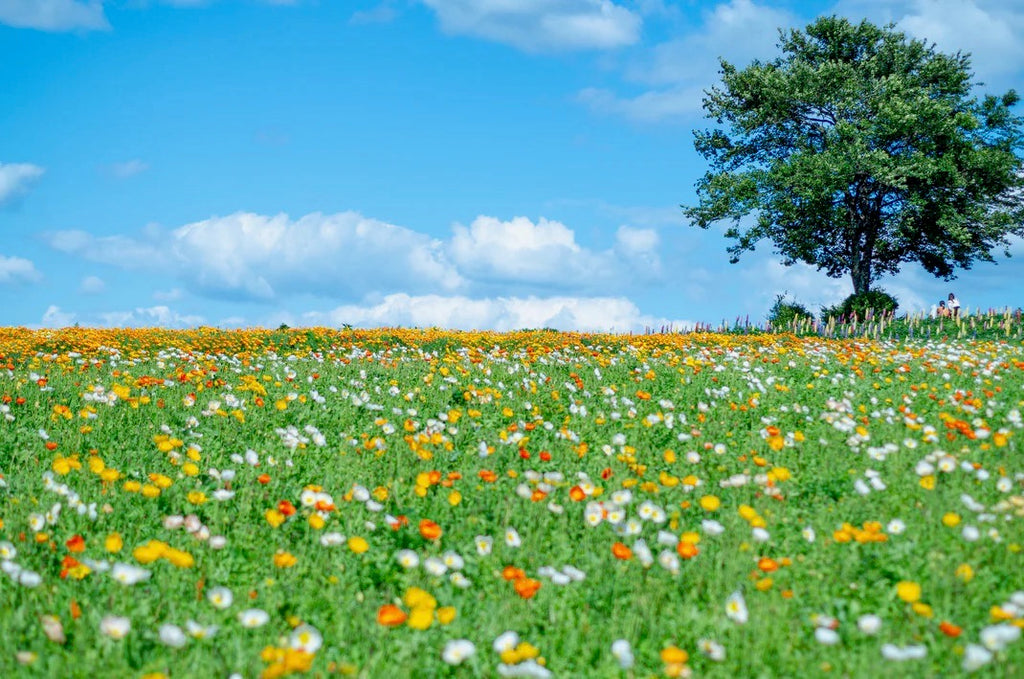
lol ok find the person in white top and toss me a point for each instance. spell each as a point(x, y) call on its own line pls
point(953, 305)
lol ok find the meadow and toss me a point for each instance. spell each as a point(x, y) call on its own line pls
point(424, 503)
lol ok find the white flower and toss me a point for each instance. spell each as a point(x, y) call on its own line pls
point(506, 642)
point(220, 597)
point(760, 535)
point(512, 538)
point(484, 544)
point(407, 558)
point(171, 635)
point(223, 494)
point(435, 566)
point(809, 534)
point(174, 521)
point(896, 527)
point(253, 617)
point(7, 551)
point(669, 561)
point(306, 638)
point(218, 542)
point(530, 668)
point(197, 631)
point(36, 522)
point(712, 649)
point(869, 624)
point(898, 654)
point(998, 637)
point(970, 533)
point(453, 561)
point(623, 653)
point(332, 539)
point(976, 657)
point(736, 608)
point(115, 627)
point(826, 636)
point(458, 650)
point(1004, 484)
point(711, 527)
point(459, 580)
point(128, 574)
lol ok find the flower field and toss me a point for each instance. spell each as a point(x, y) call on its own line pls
point(423, 503)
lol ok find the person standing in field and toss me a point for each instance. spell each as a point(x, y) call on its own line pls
point(954, 306)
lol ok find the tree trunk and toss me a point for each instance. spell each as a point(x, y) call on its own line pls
point(860, 272)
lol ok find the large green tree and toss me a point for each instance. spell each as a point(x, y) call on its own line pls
point(858, 150)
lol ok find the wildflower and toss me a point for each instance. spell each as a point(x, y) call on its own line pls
point(998, 637)
point(172, 635)
point(253, 617)
point(390, 615)
point(898, 654)
point(435, 566)
point(908, 591)
point(457, 651)
point(358, 545)
point(127, 574)
point(736, 608)
point(52, 628)
point(430, 530)
point(484, 544)
point(197, 631)
point(115, 627)
point(826, 636)
point(283, 559)
point(512, 538)
point(306, 638)
point(869, 624)
point(975, 657)
point(712, 649)
point(623, 653)
point(407, 558)
point(220, 597)
point(506, 641)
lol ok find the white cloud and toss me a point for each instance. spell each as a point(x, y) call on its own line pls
point(160, 316)
point(541, 25)
point(988, 29)
point(92, 285)
point(348, 256)
point(682, 68)
point(381, 14)
point(17, 270)
point(593, 314)
point(54, 15)
point(16, 178)
point(128, 168)
point(167, 295)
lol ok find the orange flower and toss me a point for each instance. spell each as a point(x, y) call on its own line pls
point(687, 550)
point(513, 573)
point(76, 544)
point(576, 494)
point(527, 587)
point(286, 507)
point(488, 476)
point(390, 615)
point(264, 479)
point(950, 630)
point(50, 445)
point(768, 565)
point(621, 551)
point(429, 529)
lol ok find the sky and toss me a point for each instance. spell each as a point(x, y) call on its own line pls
point(474, 164)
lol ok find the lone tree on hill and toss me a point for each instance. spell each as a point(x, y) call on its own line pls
point(858, 150)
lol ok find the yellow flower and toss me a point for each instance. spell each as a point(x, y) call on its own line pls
point(928, 482)
point(150, 491)
point(908, 591)
point(132, 486)
point(274, 517)
point(421, 618)
point(446, 614)
point(284, 559)
point(190, 469)
point(922, 609)
point(96, 465)
point(358, 545)
point(196, 497)
point(950, 519)
point(965, 572)
point(710, 503)
point(179, 558)
point(673, 655)
point(150, 551)
point(454, 498)
point(316, 521)
point(764, 584)
point(419, 598)
point(113, 543)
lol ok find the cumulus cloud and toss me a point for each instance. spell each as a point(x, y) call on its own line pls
point(54, 15)
point(541, 25)
point(160, 316)
point(591, 314)
point(17, 270)
point(17, 178)
point(348, 256)
point(92, 285)
point(679, 70)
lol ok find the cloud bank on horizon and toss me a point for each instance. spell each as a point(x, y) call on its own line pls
point(452, 163)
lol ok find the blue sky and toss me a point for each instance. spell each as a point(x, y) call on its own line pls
point(460, 163)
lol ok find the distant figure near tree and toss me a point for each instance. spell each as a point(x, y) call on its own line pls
point(954, 306)
point(941, 311)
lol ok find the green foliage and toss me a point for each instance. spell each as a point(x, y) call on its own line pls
point(859, 150)
point(783, 313)
point(860, 305)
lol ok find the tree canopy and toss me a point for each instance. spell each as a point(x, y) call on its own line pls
point(858, 150)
